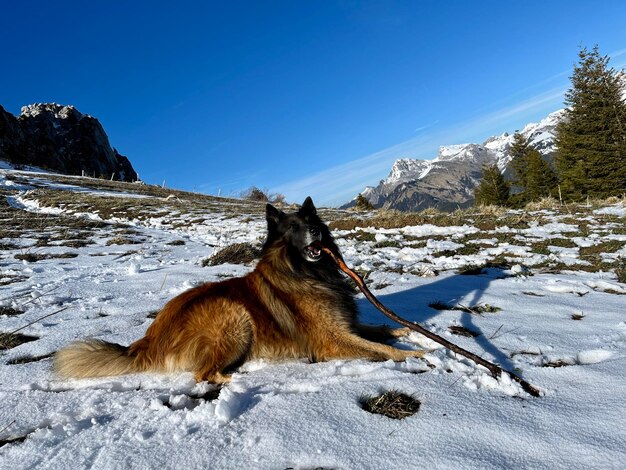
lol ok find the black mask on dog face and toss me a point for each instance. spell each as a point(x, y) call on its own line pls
point(303, 230)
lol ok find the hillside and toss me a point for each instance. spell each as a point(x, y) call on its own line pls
point(539, 291)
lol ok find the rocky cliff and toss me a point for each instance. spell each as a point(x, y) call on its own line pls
point(60, 138)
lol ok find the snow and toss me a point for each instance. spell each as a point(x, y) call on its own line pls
point(302, 415)
point(618, 209)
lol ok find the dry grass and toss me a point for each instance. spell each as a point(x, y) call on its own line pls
point(28, 359)
point(239, 253)
point(395, 219)
point(490, 210)
point(546, 203)
point(620, 271)
point(181, 209)
point(10, 311)
point(119, 240)
point(562, 242)
point(76, 243)
point(477, 309)
point(10, 340)
point(6, 279)
point(34, 257)
point(388, 244)
point(556, 363)
point(498, 262)
point(392, 404)
point(610, 246)
point(361, 236)
point(462, 331)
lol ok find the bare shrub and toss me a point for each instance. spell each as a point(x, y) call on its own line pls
point(256, 194)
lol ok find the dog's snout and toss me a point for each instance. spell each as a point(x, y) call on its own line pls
point(315, 231)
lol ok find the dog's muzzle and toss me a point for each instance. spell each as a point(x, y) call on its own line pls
point(313, 252)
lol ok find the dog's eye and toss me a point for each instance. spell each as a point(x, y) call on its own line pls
point(293, 226)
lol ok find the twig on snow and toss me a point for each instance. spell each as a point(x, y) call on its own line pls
point(495, 370)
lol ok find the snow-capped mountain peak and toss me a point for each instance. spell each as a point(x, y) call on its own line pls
point(448, 179)
point(57, 111)
point(407, 169)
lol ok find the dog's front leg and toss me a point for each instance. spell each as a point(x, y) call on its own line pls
point(350, 346)
point(380, 333)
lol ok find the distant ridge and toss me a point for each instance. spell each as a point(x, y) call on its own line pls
point(62, 139)
point(447, 182)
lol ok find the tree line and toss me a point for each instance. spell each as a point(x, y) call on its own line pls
point(590, 159)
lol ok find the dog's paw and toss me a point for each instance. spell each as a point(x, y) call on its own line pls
point(400, 332)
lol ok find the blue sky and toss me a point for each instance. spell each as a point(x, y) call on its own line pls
point(304, 98)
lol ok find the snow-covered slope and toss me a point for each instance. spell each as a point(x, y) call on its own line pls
point(100, 259)
point(412, 184)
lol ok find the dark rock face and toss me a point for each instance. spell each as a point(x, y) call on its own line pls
point(447, 187)
point(60, 138)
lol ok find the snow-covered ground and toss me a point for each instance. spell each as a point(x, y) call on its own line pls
point(563, 330)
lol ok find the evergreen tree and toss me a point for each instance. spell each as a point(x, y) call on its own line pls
point(519, 150)
point(363, 204)
point(591, 139)
point(531, 172)
point(540, 178)
point(493, 189)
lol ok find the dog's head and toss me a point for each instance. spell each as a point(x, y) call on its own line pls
point(300, 231)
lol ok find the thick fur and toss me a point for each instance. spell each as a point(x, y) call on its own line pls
point(295, 304)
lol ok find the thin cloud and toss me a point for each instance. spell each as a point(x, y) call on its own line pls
point(615, 54)
point(427, 126)
point(552, 97)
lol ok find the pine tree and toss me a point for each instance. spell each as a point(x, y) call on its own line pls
point(540, 178)
point(493, 189)
point(531, 172)
point(363, 204)
point(591, 139)
point(519, 150)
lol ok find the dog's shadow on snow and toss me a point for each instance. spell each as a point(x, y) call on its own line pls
point(413, 305)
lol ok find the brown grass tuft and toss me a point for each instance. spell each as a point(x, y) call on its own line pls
point(462, 331)
point(239, 253)
point(620, 271)
point(10, 311)
point(34, 257)
point(10, 340)
point(392, 404)
point(549, 203)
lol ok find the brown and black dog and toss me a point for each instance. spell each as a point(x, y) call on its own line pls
point(295, 304)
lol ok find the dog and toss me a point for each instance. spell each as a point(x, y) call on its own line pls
point(294, 304)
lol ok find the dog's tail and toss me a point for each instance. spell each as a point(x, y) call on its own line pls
point(94, 358)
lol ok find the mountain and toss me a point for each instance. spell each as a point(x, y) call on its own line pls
point(447, 182)
point(62, 139)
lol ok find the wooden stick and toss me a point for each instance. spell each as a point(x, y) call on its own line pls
point(495, 370)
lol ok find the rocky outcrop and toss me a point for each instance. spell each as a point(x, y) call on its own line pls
point(60, 138)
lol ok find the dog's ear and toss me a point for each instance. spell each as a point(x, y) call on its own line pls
point(273, 215)
point(308, 208)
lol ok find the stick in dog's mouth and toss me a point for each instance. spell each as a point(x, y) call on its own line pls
point(314, 250)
